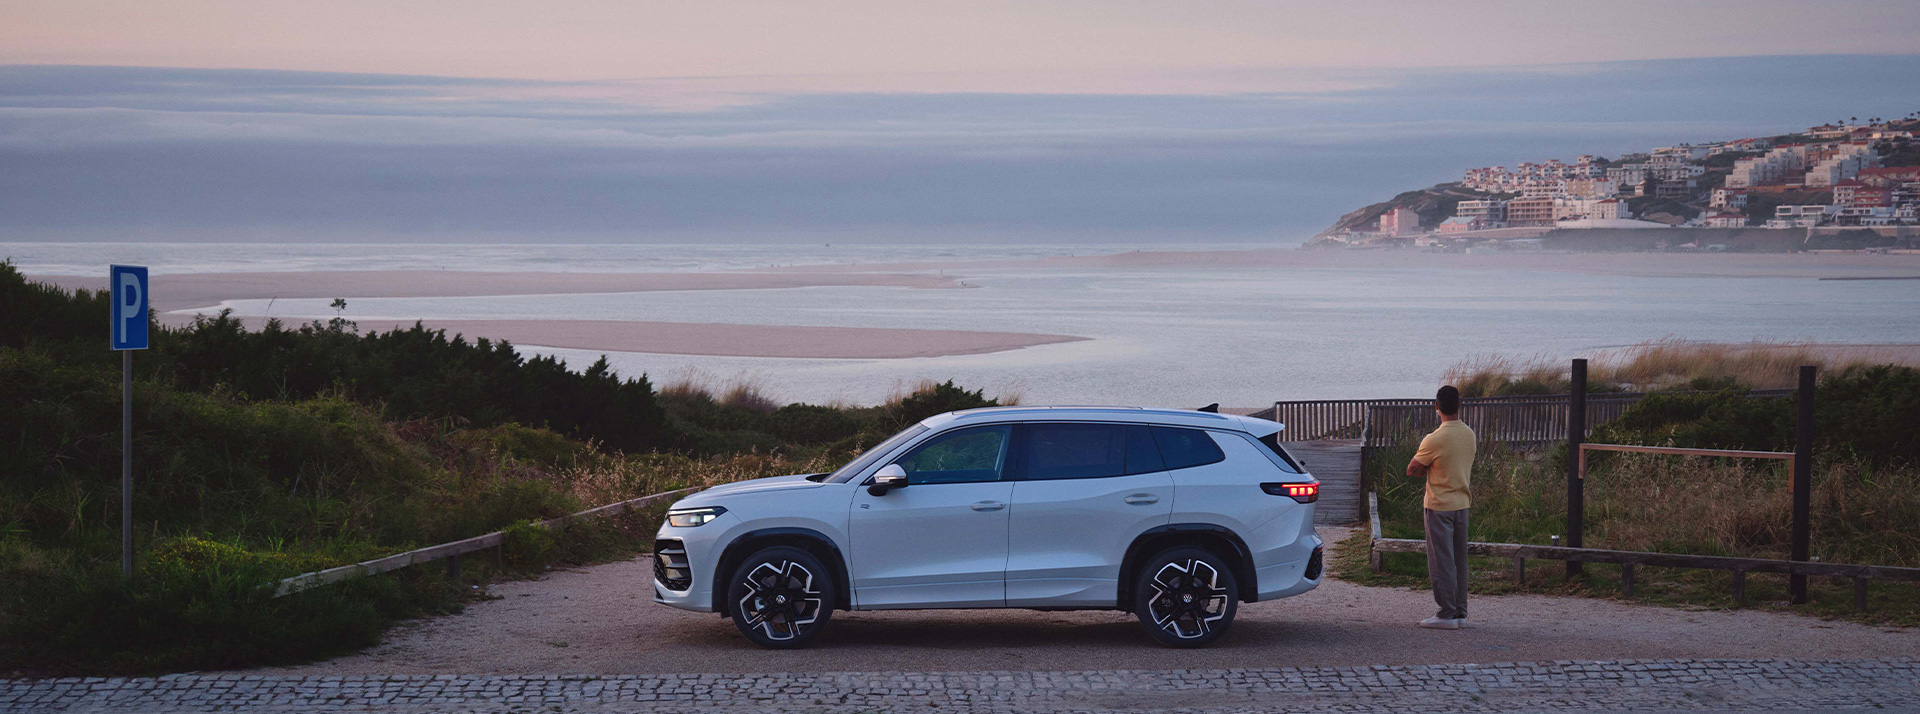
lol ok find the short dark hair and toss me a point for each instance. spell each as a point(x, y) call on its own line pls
point(1447, 400)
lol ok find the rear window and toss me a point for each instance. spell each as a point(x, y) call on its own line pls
point(1272, 442)
point(1186, 448)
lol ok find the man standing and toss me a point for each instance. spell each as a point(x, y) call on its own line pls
point(1445, 460)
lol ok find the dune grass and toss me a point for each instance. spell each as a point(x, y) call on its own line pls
point(1863, 512)
point(1655, 366)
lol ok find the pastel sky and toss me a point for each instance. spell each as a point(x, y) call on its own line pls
point(570, 120)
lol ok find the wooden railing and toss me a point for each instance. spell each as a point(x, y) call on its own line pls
point(451, 552)
point(1388, 422)
point(1518, 554)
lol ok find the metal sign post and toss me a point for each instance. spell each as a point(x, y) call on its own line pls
point(128, 284)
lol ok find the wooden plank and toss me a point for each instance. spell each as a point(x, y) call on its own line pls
point(1336, 463)
point(453, 549)
point(1664, 560)
point(1729, 453)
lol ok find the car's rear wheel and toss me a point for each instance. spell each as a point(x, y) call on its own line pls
point(1185, 596)
point(780, 597)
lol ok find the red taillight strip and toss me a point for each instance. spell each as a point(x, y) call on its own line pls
point(1301, 492)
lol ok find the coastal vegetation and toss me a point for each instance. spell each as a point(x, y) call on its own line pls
point(1866, 488)
point(263, 454)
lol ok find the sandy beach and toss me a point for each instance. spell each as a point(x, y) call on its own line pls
point(203, 290)
point(722, 340)
point(178, 297)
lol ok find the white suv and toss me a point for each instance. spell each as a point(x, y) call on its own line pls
point(1175, 516)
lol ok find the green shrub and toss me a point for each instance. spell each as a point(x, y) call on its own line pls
point(526, 546)
point(810, 424)
point(936, 399)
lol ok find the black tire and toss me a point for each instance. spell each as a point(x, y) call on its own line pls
point(780, 597)
point(1185, 596)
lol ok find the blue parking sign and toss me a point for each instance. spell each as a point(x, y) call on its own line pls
point(129, 286)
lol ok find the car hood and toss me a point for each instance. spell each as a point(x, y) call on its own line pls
point(760, 485)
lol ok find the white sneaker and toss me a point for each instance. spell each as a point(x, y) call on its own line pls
point(1440, 623)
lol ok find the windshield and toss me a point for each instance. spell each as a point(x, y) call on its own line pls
point(865, 459)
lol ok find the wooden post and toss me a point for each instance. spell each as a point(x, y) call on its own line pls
point(1860, 592)
point(1373, 542)
point(1576, 433)
point(453, 569)
point(1520, 571)
point(1802, 483)
point(1740, 587)
point(1626, 579)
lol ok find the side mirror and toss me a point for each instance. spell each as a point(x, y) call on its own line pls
point(890, 477)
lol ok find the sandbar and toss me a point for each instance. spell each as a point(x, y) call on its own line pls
point(721, 340)
point(185, 291)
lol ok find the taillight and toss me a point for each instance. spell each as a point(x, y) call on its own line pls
point(1302, 492)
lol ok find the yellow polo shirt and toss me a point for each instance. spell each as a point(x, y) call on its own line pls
point(1448, 454)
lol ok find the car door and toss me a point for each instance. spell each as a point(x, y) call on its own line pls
point(1084, 491)
point(941, 541)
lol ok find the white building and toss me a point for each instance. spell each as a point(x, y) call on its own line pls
point(1841, 166)
point(1728, 198)
point(1724, 220)
point(1491, 212)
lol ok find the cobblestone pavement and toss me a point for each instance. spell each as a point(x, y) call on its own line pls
point(1625, 685)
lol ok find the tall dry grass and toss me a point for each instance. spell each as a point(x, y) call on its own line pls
point(632, 476)
point(742, 391)
point(1675, 504)
point(1664, 364)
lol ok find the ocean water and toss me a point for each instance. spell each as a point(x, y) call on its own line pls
point(1180, 337)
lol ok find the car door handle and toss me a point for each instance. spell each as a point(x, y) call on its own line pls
point(1141, 499)
point(988, 506)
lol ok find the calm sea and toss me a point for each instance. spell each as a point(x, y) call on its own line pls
point(1179, 337)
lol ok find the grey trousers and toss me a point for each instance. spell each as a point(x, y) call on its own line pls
point(1447, 561)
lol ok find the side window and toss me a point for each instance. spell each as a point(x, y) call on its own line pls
point(1063, 451)
point(1142, 455)
point(961, 456)
point(1187, 448)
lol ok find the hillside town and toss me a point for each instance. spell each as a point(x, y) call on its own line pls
point(1858, 176)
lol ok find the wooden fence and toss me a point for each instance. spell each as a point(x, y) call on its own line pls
point(451, 552)
point(1518, 554)
point(1389, 422)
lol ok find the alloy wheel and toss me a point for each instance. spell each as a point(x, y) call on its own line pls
point(781, 600)
point(1187, 598)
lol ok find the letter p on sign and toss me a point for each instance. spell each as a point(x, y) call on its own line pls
point(129, 286)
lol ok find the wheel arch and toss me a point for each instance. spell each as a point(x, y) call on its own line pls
point(1218, 539)
point(805, 539)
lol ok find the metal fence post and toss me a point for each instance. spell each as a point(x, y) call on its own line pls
point(126, 463)
point(1576, 433)
point(1802, 484)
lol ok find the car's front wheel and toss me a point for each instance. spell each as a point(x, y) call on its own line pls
point(1185, 596)
point(780, 597)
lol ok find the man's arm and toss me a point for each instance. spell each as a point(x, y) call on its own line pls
point(1415, 469)
point(1423, 459)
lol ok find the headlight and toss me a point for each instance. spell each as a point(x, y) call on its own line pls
point(690, 517)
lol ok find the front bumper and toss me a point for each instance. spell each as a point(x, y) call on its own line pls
point(700, 547)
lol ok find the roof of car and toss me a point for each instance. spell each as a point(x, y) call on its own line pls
point(1181, 417)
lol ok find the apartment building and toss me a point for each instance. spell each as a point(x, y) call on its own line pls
point(1535, 211)
point(1399, 222)
point(1490, 212)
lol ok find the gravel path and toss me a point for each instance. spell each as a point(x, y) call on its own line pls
point(601, 620)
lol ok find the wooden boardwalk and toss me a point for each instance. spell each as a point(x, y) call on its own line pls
point(1336, 462)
